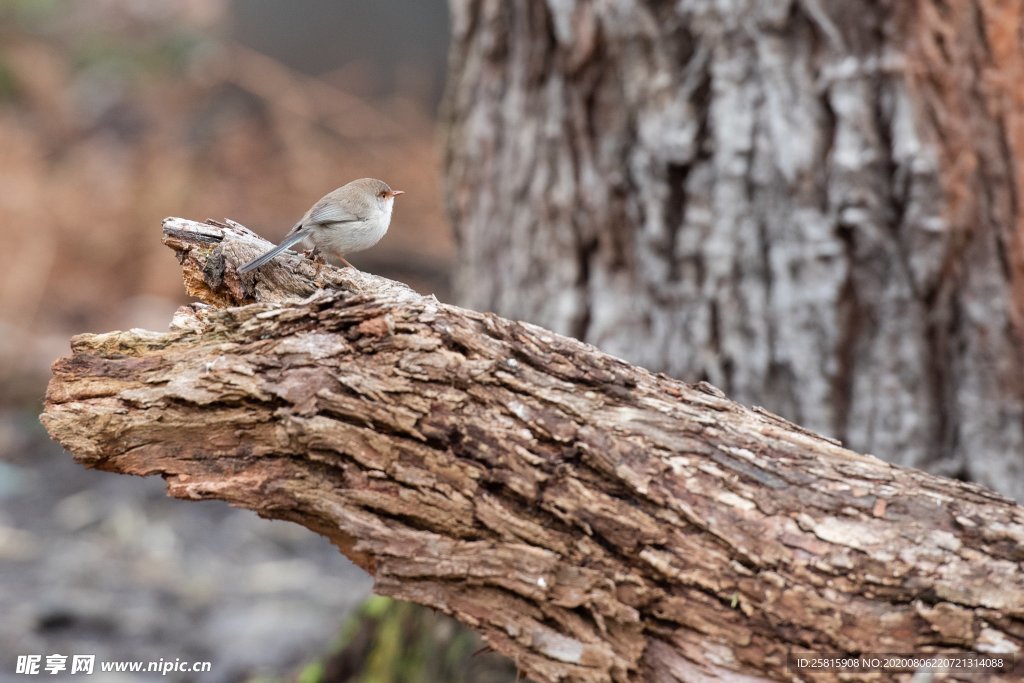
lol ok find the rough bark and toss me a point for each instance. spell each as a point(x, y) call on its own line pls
point(814, 205)
point(594, 521)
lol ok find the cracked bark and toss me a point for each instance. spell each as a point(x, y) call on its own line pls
point(594, 521)
point(814, 205)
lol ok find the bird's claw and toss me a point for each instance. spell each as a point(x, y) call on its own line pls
point(315, 256)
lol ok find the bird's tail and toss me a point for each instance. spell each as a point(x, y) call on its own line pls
point(289, 240)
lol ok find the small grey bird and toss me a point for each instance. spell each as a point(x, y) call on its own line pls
point(352, 218)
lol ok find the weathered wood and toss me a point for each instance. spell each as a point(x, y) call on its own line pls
point(594, 521)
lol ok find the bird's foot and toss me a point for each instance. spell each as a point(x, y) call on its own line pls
point(315, 255)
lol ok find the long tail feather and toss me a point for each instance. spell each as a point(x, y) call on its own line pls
point(289, 240)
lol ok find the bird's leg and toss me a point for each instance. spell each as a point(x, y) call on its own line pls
point(345, 262)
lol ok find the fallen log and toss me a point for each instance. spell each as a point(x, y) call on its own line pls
point(594, 521)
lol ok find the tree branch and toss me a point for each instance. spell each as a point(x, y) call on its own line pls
point(592, 520)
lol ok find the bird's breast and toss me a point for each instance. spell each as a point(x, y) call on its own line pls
point(348, 238)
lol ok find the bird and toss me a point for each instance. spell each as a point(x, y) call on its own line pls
point(351, 218)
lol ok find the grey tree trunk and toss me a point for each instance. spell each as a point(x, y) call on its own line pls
point(813, 205)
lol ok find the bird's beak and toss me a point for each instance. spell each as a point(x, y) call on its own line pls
point(395, 193)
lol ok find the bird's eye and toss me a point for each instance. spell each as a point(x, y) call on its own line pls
point(382, 194)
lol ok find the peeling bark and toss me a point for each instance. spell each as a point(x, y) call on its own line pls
point(594, 521)
point(814, 205)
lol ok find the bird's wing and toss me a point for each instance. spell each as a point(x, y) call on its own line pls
point(329, 212)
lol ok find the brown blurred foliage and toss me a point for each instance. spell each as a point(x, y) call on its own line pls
point(116, 113)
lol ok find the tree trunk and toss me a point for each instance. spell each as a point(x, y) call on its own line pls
point(814, 205)
point(594, 521)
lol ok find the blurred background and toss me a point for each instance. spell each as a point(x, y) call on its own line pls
point(113, 115)
point(838, 246)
